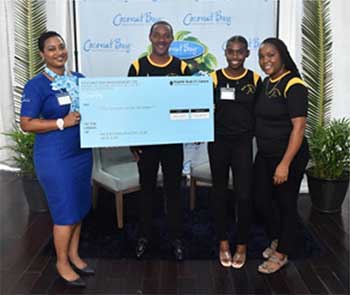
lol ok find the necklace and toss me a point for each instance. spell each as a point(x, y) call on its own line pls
point(274, 91)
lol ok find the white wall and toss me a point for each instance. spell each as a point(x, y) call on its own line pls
point(6, 77)
point(290, 27)
point(340, 14)
point(59, 19)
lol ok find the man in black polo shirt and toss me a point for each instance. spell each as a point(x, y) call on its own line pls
point(170, 156)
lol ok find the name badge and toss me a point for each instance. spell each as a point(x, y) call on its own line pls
point(227, 93)
point(63, 99)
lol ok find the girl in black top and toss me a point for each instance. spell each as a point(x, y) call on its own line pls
point(235, 89)
point(280, 111)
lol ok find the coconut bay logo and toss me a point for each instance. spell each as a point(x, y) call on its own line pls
point(144, 18)
point(212, 18)
point(186, 49)
point(191, 49)
point(113, 44)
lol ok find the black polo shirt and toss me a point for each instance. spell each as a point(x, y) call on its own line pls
point(146, 67)
point(235, 116)
point(278, 102)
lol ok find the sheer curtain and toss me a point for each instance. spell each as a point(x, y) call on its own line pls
point(6, 76)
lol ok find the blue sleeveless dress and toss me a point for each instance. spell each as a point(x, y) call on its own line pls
point(62, 167)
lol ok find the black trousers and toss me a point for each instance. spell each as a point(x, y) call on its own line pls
point(238, 156)
point(171, 159)
point(281, 226)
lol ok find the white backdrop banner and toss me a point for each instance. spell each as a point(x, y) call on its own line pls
point(113, 33)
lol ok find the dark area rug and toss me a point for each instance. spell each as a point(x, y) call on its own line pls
point(100, 237)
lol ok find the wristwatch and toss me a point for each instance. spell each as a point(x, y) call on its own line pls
point(60, 124)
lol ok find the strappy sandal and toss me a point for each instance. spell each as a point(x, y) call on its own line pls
point(272, 265)
point(225, 258)
point(270, 250)
point(238, 260)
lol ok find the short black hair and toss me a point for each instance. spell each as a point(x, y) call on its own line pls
point(284, 53)
point(161, 22)
point(238, 38)
point(44, 36)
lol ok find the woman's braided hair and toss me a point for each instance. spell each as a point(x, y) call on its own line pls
point(285, 55)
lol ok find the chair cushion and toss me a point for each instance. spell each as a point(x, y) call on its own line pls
point(111, 156)
point(118, 177)
point(202, 172)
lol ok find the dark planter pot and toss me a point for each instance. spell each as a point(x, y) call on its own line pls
point(327, 196)
point(34, 193)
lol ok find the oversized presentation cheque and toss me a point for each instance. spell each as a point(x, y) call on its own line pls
point(145, 110)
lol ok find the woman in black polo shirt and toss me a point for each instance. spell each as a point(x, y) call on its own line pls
point(280, 111)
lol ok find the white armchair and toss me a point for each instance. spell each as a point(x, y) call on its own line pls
point(115, 170)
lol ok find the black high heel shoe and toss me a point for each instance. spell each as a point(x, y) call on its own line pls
point(79, 282)
point(141, 247)
point(179, 250)
point(87, 271)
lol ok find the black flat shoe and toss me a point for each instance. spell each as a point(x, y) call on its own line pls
point(88, 271)
point(179, 250)
point(141, 247)
point(76, 283)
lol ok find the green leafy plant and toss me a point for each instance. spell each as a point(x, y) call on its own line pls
point(207, 62)
point(330, 150)
point(23, 150)
point(317, 61)
point(30, 23)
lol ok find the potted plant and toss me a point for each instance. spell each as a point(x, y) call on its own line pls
point(328, 140)
point(328, 175)
point(22, 148)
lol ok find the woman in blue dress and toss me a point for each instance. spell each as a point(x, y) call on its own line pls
point(50, 108)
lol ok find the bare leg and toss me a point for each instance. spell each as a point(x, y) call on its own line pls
point(241, 248)
point(224, 245)
point(225, 253)
point(74, 247)
point(240, 255)
point(62, 235)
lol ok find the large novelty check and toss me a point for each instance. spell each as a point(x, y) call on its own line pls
point(145, 110)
